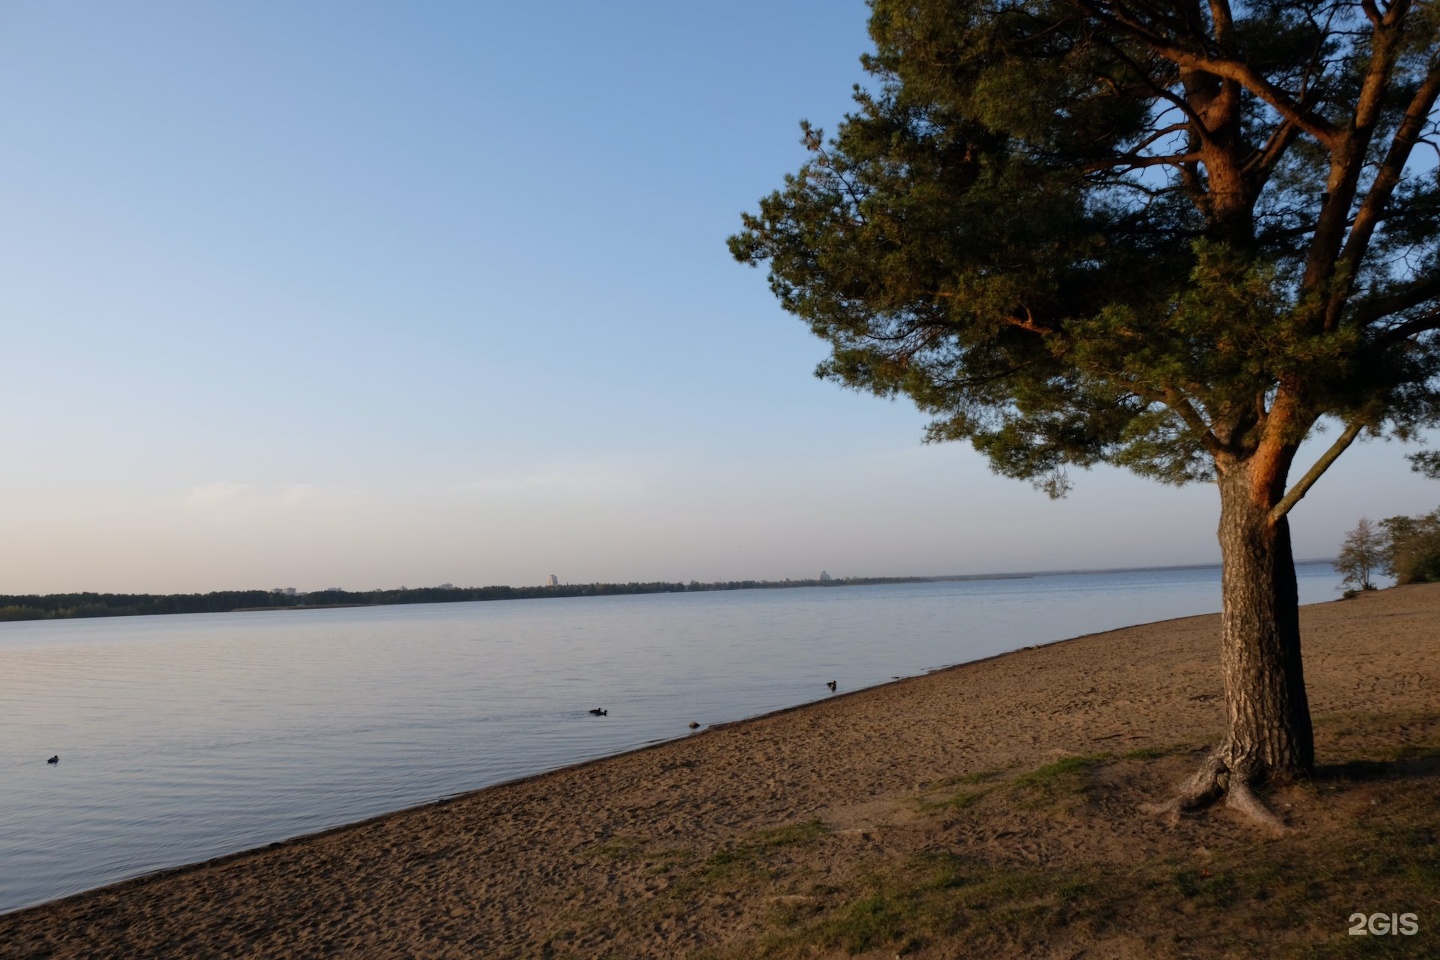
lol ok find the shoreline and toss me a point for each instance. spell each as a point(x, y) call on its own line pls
point(1149, 686)
point(580, 765)
point(220, 859)
point(79, 859)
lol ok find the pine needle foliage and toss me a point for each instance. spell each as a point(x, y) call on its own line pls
point(1160, 235)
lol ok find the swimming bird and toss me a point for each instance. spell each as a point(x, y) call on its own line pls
point(831, 684)
point(600, 713)
point(54, 759)
point(693, 725)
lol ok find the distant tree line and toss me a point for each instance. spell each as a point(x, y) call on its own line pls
point(1412, 548)
point(1406, 548)
point(66, 605)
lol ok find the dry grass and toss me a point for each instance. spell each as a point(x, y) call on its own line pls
point(1083, 875)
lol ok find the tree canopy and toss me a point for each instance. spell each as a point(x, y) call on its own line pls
point(1412, 548)
point(1169, 235)
point(1156, 234)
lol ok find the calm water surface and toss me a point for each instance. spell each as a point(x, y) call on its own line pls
point(185, 737)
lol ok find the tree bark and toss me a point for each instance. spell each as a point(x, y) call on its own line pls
point(1268, 737)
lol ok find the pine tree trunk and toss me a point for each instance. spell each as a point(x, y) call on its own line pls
point(1268, 736)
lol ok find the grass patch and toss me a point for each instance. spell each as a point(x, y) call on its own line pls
point(963, 800)
point(933, 896)
point(971, 779)
point(661, 862)
point(1411, 752)
point(619, 848)
point(1206, 887)
point(867, 924)
point(1064, 779)
point(727, 860)
point(1063, 771)
point(936, 800)
point(790, 834)
point(792, 911)
point(656, 861)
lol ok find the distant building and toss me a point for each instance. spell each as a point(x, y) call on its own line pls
point(554, 581)
point(824, 577)
point(446, 586)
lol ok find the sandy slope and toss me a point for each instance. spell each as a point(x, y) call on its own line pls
point(573, 862)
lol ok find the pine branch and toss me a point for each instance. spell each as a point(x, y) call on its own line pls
point(1222, 67)
point(1372, 208)
point(1304, 484)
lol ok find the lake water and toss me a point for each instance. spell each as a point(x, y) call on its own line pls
point(185, 737)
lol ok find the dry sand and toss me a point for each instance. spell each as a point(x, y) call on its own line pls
point(601, 859)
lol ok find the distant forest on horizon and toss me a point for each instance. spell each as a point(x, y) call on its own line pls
point(59, 606)
point(64, 606)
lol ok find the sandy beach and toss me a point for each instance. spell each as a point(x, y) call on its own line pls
point(757, 838)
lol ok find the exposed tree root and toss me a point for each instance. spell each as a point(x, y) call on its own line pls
point(1212, 781)
point(1241, 798)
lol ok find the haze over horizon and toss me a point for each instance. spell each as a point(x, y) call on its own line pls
point(368, 296)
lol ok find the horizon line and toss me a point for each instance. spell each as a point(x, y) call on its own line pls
point(928, 578)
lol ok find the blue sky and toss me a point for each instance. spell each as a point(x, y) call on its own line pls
point(372, 294)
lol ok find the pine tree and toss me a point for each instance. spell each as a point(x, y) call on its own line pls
point(1174, 236)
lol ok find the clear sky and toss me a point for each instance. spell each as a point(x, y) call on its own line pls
point(376, 294)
